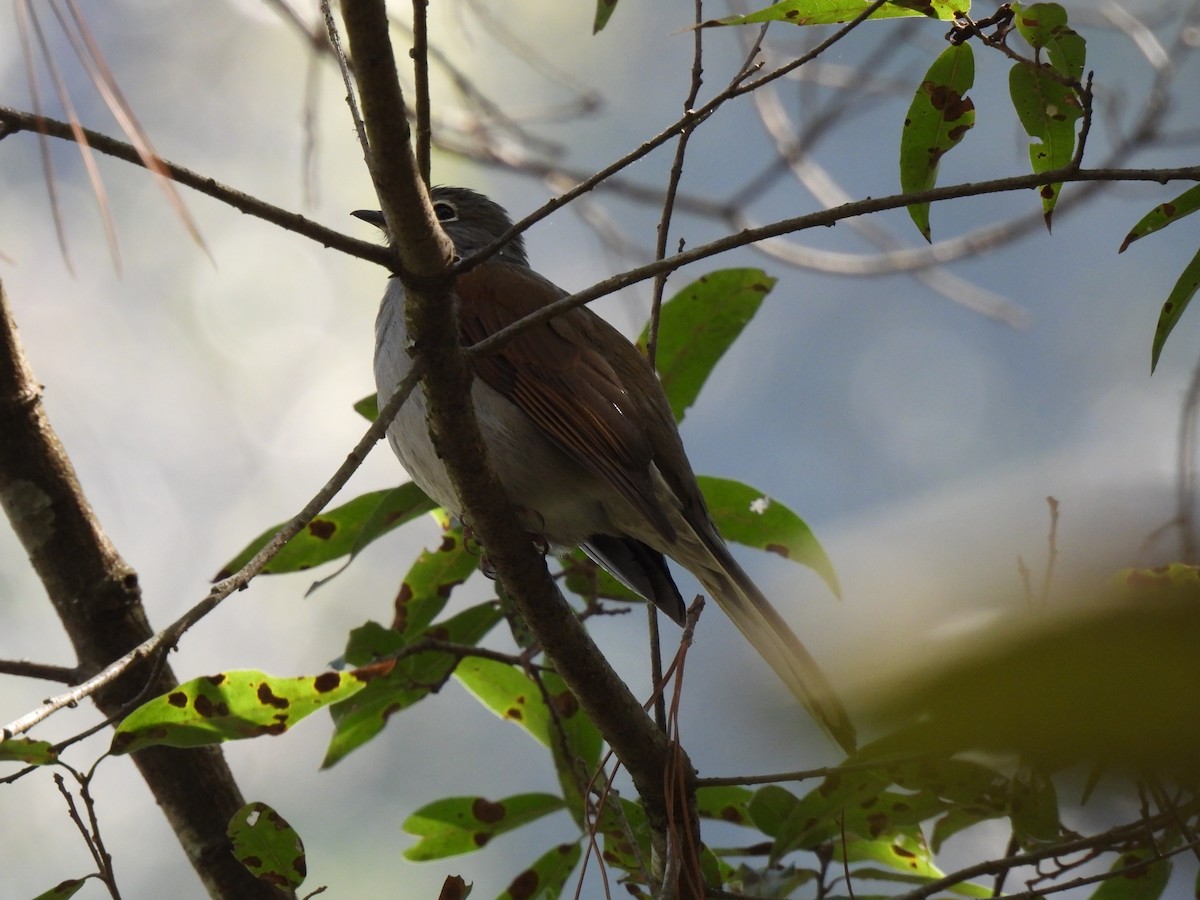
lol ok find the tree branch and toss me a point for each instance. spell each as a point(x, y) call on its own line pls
point(97, 598)
point(642, 749)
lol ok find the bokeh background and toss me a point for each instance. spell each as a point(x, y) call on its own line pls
point(918, 430)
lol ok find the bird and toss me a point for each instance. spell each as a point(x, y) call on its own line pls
point(582, 438)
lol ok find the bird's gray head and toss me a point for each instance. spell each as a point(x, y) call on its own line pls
point(471, 220)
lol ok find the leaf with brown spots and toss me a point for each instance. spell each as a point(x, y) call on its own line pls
point(511, 694)
point(412, 679)
point(267, 846)
point(726, 804)
point(560, 724)
point(1049, 111)
point(835, 12)
point(452, 825)
point(698, 325)
point(748, 516)
point(1142, 873)
point(1044, 26)
point(338, 532)
point(938, 118)
point(240, 704)
point(431, 578)
point(1163, 215)
point(544, 880)
point(907, 859)
point(1181, 295)
point(28, 751)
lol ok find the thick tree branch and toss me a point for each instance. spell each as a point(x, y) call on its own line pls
point(168, 637)
point(641, 747)
point(97, 598)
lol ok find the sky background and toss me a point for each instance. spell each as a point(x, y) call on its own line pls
point(203, 397)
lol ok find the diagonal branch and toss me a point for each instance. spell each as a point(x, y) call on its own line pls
point(642, 749)
point(97, 598)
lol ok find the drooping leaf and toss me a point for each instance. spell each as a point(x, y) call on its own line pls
point(1177, 301)
point(431, 578)
point(28, 751)
point(456, 825)
point(939, 117)
point(835, 12)
point(231, 706)
point(1048, 110)
point(338, 532)
point(626, 835)
point(770, 807)
point(1034, 808)
point(725, 804)
point(1044, 26)
point(512, 695)
point(267, 846)
point(907, 857)
point(604, 11)
point(408, 681)
point(748, 516)
point(63, 889)
point(699, 324)
point(1163, 215)
point(1047, 107)
point(1137, 874)
point(544, 880)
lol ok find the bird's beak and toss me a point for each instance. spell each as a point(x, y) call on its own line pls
point(373, 216)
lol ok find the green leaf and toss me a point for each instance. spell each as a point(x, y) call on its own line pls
point(939, 117)
point(456, 825)
point(231, 706)
point(403, 684)
point(63, 889)
point(1044, 26)
point(338, 532)
point(770, 808)
point(1163, 215)
point(1107, 684)
point(1177, 301)
point(626, 836)
point(559, 724)
point(725, 804)
point(1048, 110)
point(1034, 809)
point(544, 880)
point(511, 694)
point(698, 325)
point(589, 581)
point(604, 11)
point(267, 846)
point(907, 857)
point(29, 751)
point(1139, 874)
point(368, 407)
point(834, 12)
point(431, 578)
point(748, 516)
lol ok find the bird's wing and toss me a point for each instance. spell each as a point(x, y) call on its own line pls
point(557, 375)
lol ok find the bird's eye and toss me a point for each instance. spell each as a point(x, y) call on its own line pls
point(445, 212)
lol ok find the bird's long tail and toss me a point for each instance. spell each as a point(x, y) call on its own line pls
point(775, 641)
